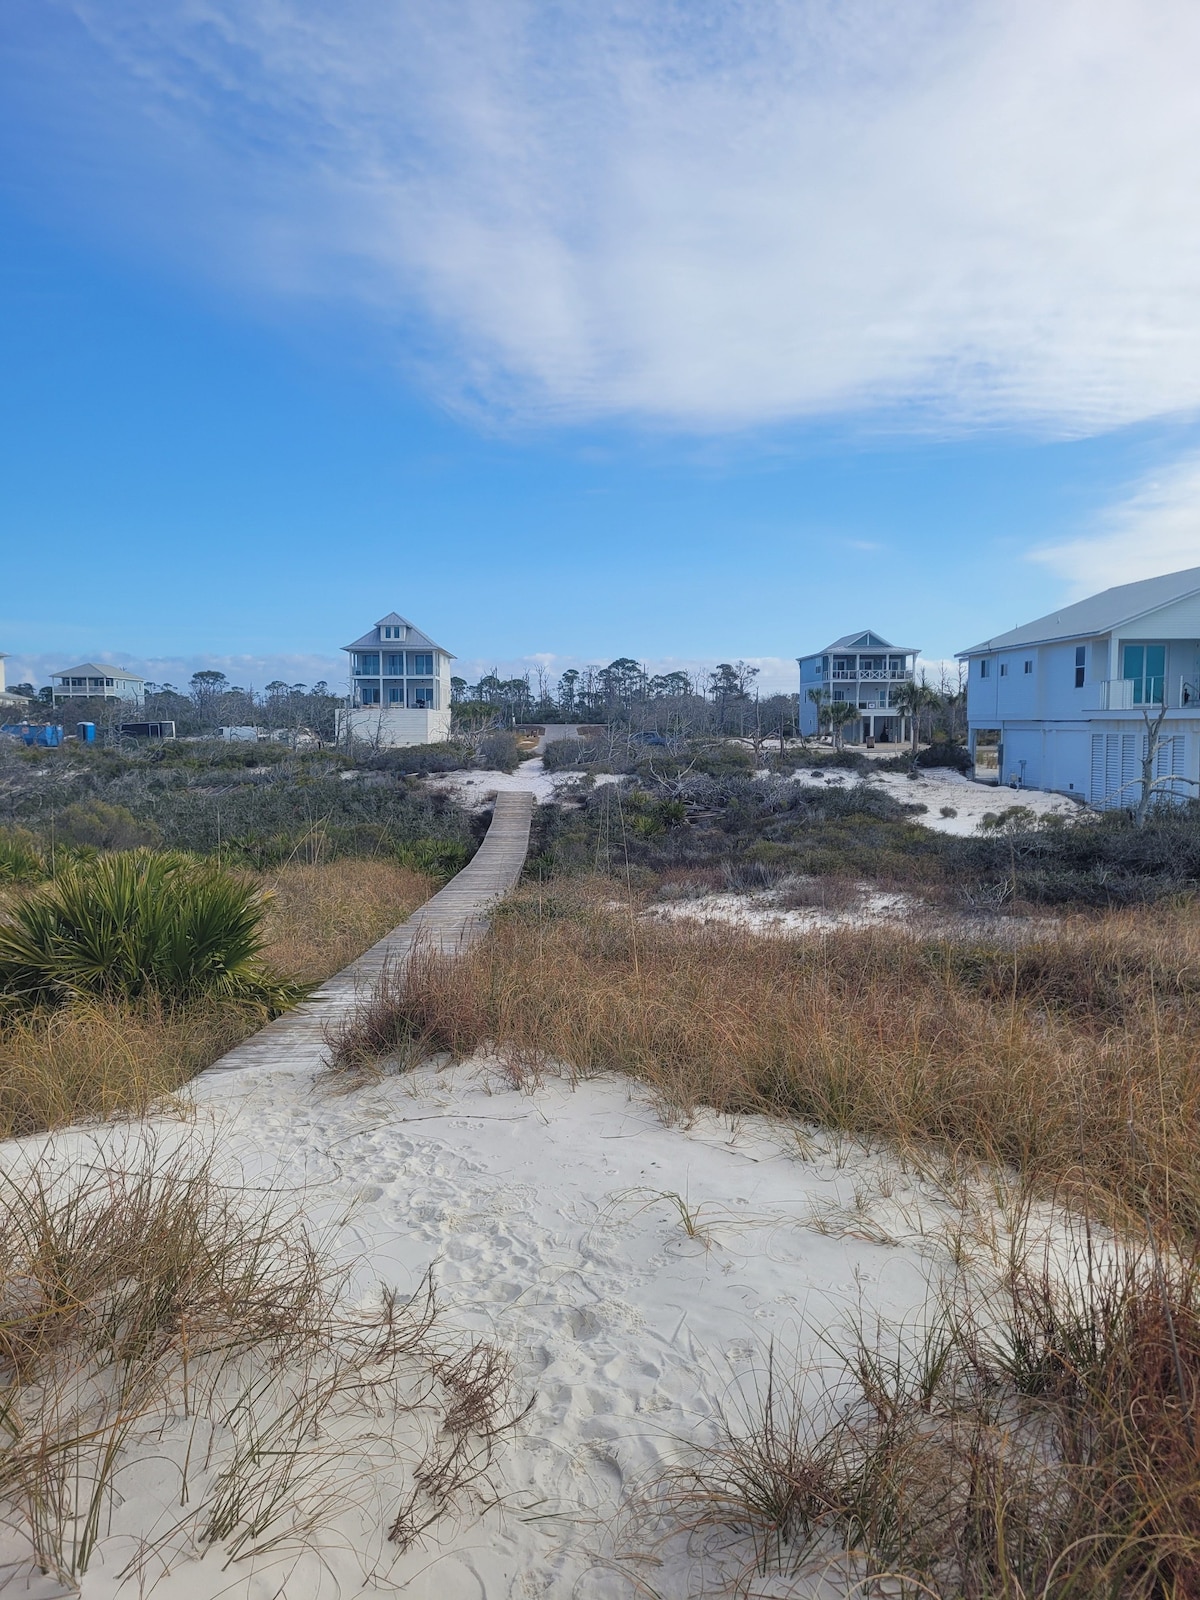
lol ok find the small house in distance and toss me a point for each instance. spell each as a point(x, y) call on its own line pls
point(399, 686)
point(93, 682)
point(866, 670)
point(1065, 702)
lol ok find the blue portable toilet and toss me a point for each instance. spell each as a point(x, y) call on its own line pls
point(85, 732)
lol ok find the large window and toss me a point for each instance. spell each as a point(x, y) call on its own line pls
point(368, 694)
point(420, 666)
point(393, 666)
point(366, 666)
point(420, 694)
point(1145, 666)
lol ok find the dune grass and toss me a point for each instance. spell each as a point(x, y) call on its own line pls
point(1039, 1434)
point(102, 1057)
point(1040, 1442)
point(156, 1318)
point(1071, 1058)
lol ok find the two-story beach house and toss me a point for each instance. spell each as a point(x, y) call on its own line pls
point(399, 686)
point(865, 669)
point(1065, 702)
point(93, 682)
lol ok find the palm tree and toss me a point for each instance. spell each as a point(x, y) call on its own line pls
point(838, 713)
point(910, 699)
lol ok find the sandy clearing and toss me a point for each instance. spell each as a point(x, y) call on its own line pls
point(936, 787)
point(550, 1220)
point(474, 788)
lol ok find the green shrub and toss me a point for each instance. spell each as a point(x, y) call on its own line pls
point(20, 859)
point(105, 827)
point(140, 923)
point(500, 751)
point(441, 858)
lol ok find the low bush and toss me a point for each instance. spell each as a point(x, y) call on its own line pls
point(21, 859)
point(138, 922)
point(101, 826)
point(100, 1058)
point(500, 751)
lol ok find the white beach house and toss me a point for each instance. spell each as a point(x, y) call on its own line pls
point(1064, 702)
point(399, 686)
point(92, 681)
point(865, 669)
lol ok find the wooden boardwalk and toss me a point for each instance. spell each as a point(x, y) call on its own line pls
point(449, 922)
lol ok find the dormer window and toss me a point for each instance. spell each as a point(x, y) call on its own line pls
point(393, 630)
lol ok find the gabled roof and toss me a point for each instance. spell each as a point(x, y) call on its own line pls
point(91, 670)
point(864, 639)
point(414, 639)
point(1099, 613)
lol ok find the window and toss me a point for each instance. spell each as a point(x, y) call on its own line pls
point(421, 666)
point(392, 632)
point(368, 694)
point(1145, 665)
point(1028, 668)
point(1080, 664)
point(985, 667)
point(108, 683)
point(393, 666)
point(366, 666)
point(1004, 669)
point(95, 683)
point(393, 693)
point(420, 694)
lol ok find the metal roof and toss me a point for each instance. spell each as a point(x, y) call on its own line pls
point(94, 671)
point(858, 641)
point(414, 640)
point(1099, 613)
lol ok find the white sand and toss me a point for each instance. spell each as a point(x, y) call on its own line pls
point(936, 787)
point(760, 913)
point(543, 1215)
point(474, 789)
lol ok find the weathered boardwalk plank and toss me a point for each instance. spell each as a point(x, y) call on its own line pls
point(449, 922)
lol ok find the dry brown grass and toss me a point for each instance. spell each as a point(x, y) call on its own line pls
point(324, 915)
point(154, 1319)
point(1075, 1060)
point(1040, 1445)
point(103, 1060)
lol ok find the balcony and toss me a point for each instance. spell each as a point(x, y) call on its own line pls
point(1122, 694)
point(875, 675)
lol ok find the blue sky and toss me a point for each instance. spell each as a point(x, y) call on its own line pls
point(686, 331)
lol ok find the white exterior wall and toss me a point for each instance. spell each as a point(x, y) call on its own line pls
point(392, 727)
point(1066, 736)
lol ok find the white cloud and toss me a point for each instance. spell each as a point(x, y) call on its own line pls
point(717, 215)
point(1155, 529)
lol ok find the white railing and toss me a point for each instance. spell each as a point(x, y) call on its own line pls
point(872, 676)
point(1114, 694)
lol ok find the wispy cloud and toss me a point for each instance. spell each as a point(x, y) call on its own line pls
point(705, 215)
point(1156, 528)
